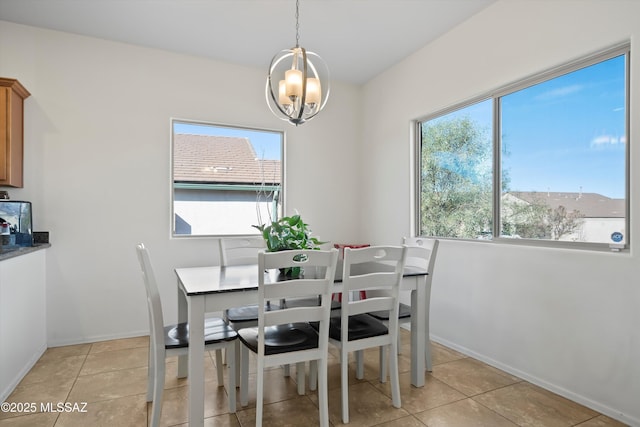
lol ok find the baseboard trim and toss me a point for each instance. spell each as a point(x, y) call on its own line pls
point(22, 373)
point(97, 338)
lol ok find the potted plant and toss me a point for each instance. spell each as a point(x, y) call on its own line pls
point(287, 233)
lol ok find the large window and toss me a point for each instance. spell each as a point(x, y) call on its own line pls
point(224, 179)
point(544, 160)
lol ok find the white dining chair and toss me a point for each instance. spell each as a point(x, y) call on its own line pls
point(355, 330)
point(421, 253)
point(242, 251)
point(173, 340)
point(286, 336)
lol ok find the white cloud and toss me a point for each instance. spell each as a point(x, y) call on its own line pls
point(604, 140)
point(560, 92)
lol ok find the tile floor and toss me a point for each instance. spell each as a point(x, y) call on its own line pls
point(110, 377)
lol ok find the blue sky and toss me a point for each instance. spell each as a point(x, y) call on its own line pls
point(566, 134)
point(267, 144)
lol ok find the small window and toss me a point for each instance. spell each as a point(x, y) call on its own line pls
point(224, 179)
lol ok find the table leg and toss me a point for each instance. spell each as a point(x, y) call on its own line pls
point(418, 334)
point(183, 313)
point(196, 357)
point(427, 334)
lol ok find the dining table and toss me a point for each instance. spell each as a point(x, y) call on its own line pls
point(210, 289)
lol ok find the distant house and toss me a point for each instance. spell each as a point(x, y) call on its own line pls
point(221, 177)
point(601, 215)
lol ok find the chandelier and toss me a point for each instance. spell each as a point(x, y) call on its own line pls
point(298, 82)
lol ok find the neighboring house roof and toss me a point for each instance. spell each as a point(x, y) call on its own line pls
point(591, 205)
point(221, 159)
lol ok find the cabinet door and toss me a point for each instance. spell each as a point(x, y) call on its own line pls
point(12, 95)
point(4, 133)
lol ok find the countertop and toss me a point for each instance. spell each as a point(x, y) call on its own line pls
point(7, 253)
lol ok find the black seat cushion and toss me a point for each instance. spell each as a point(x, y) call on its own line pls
point(215, 330)
point(247, 313)
point(308, 302)
point(360, 326)
point(281, 338)
point(403, 313)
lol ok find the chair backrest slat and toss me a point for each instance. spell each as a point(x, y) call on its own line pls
point(303, 288)
point(371, 303)
point(293, 315)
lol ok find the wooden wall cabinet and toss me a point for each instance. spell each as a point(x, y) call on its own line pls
point(12, 96)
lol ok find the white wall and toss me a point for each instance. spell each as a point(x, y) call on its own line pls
point(567, 320)
point(97, 142)
point(194, 209)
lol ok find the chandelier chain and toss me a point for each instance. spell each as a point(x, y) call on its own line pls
point(297, 23)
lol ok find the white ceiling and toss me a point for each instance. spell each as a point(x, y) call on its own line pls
point(358, 39)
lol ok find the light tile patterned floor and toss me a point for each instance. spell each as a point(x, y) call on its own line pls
point(110, 377)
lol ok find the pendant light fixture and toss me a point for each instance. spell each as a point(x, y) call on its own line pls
point(298, 82)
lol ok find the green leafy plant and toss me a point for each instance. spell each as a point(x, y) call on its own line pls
point(287, 233)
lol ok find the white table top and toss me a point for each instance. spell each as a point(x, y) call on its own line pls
point(215, 279)
point(240, 278)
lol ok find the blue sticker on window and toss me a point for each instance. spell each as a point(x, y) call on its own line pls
point(616, 237)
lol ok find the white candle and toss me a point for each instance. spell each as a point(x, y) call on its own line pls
point(283, 99)
point(314, 93)
point(293, 80)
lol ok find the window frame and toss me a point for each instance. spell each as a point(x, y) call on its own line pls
point(172, 185)
point(495, 95)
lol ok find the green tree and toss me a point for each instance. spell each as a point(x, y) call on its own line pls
point(562, 222)
point(456, 179)
point(535, 219)
point(524, 219)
